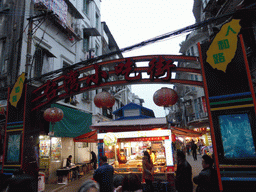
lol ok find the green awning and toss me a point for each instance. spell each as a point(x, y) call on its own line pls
point(73, 124)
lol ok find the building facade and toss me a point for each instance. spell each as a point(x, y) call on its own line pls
point(190, 111)
point(44, 39)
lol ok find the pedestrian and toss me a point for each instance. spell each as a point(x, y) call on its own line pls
point(207, 180)
point(148, 171)
point(94, 160)
point(183, 179)
point(193, 149)
point(118, 181)
point(188, 147)
point(199, 146)
point(104, 175)
point(89, 186)
point(21, 181)
point(132, 183)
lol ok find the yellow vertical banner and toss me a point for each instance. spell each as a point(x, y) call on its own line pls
point(17, 90)
point(223, 48)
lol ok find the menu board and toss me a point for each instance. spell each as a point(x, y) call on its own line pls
point(56, 149)
point(44, 147)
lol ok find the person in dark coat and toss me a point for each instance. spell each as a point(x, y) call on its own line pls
point(104, 175)
point(193, 149)
point(207, 179)
point(21, 182)
point(94, 160)
point(68, 164)
point(183, 179)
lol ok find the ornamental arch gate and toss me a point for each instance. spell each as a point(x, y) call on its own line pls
point(229, 91)
point(26, 103)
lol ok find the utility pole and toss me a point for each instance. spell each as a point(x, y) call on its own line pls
point(29, 43)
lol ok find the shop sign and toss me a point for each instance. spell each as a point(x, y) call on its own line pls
point(138, 134)
point(17, 90)
point(223, 48)
point(160, 68)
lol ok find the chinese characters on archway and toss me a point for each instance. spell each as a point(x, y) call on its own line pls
point(159, 68)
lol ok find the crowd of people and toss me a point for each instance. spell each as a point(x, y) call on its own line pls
point(104, 179)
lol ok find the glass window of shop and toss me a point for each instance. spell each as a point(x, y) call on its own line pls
point(130, 154)
point(50, 148)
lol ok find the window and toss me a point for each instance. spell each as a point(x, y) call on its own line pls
point(86, 6)
point(192, 51)
point(3, 64)
point(39, 60)
point(97, 51)
point(86, 43)
point(97, 21)
point(43, 61)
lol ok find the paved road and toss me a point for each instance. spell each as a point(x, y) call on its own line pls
point(75, 185)
point(196, 166)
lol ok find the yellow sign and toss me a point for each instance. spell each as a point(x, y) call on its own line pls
point(223, 48)
point(17, 90)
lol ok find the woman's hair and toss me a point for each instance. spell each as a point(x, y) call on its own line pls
point(131, 182)
point(118, 180)
point(180, 154)
point(146, 154)
point(89, 184)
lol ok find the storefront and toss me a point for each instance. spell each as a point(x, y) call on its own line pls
point(126, 156)
point(133, 137)
point(55, 149)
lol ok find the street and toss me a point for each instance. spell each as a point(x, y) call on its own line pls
point(75, 185)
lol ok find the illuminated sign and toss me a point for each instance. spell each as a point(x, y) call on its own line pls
point(124, 72)
point(168, 151)
point(136, 134)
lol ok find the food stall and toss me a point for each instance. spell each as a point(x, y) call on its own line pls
point(136, 131)
point(132, 137)
point(157, 142)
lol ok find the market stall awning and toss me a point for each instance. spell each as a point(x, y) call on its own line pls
point(73, 124)
point(142, 124)
point(90, 137)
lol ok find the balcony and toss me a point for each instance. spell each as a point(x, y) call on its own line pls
point(60, 19)
point(198, 120)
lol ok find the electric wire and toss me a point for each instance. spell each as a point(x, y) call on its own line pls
point(159, 38)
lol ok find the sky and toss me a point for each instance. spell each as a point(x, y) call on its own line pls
point(134, 21)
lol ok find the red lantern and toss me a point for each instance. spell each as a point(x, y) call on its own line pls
point(53, 114)
point(104, 100)
point(165, 97)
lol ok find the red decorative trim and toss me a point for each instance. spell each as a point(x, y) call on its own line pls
point(160, 69)
point(248, 71)
point(210, 116)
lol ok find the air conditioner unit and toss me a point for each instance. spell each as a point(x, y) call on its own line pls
point(78, 31)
